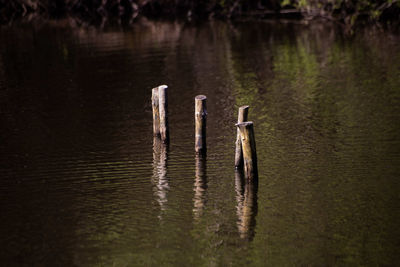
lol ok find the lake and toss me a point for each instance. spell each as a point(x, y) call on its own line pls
point(84, 183)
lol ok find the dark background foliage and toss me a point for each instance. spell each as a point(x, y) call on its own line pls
point(348, 12)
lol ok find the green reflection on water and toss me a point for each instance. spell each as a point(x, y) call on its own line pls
point(329, 149)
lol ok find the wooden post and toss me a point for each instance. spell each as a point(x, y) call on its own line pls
point(156, 112)
point(242, 117)
point(163, 106)
point(249, 149)
point(200, 122)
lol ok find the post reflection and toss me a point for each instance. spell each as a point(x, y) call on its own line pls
point(246, 209)
point(200, 187)
point(159, 179)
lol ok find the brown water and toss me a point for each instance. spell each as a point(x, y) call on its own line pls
point(83, 183)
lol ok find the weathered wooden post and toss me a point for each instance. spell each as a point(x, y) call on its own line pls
point(242, 117)
point(156, 112)
point(163, 108)
point(200, 122)
point(249, 149)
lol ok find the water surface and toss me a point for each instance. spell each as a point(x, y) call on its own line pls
point(83, 182)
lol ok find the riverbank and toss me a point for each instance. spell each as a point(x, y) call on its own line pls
point(348, 13)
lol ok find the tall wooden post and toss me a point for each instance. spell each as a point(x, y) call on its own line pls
point(249, 149)
point(156, 112)
point(242, 117)
point(200, 124)
point(163, 106)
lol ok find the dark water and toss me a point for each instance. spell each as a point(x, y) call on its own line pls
point(83, 183)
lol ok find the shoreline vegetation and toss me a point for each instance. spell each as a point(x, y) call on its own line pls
point(346, 12)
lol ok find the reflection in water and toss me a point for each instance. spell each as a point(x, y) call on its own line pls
point(200, 186)
point(76, 147)
point(160, 181)
point(246, 197)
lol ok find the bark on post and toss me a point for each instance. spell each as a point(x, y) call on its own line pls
point(249, 149)
point(200, 122)
point(242, 117)
point(156, 112)
point(163, 107)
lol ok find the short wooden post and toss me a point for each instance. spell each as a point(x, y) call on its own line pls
point(242, 117)
point(163, 107)
point(200, 122)
point(156, 112)
point(249, 149)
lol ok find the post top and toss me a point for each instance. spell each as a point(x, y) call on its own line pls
point(244, 107)
point(244, 124)
point(200, 97)
point(163, 86)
